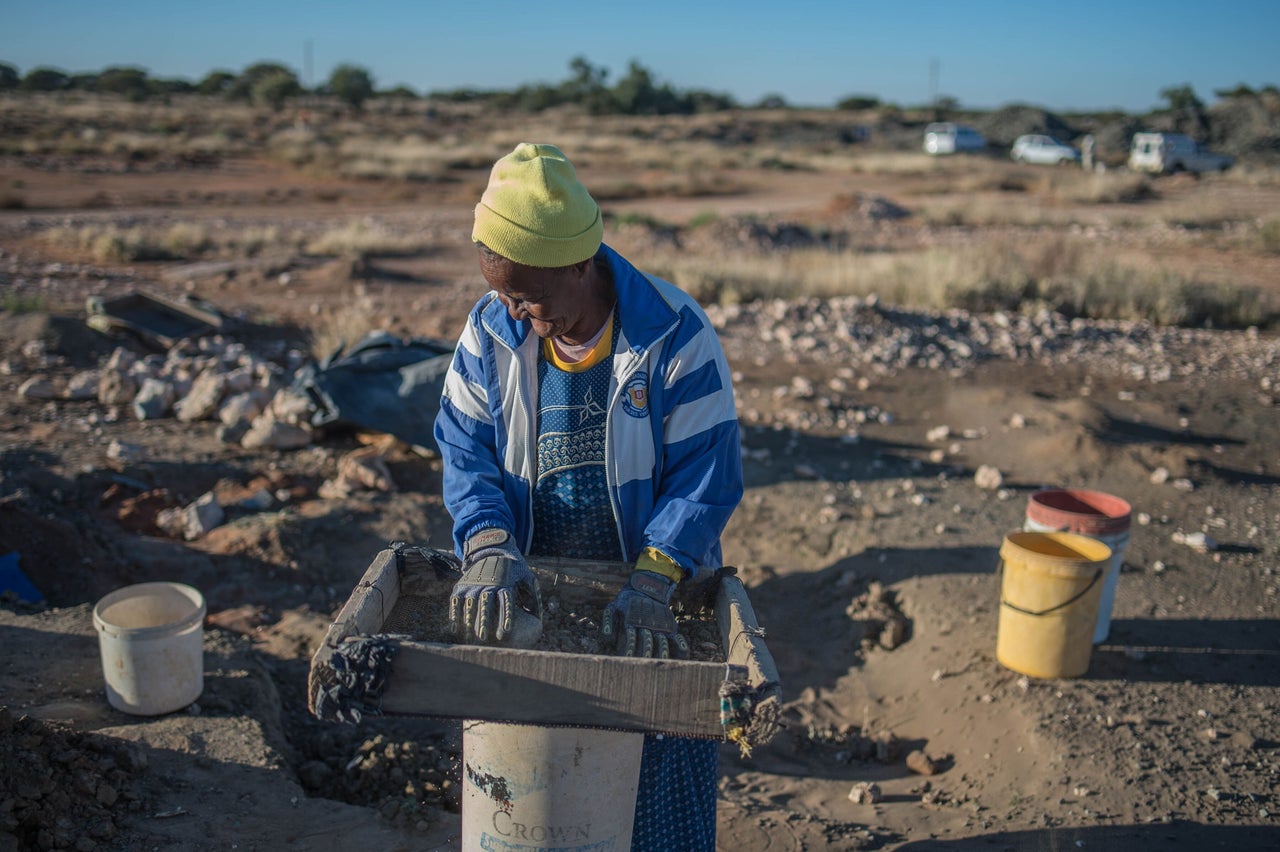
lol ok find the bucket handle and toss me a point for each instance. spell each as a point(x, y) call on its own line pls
point(1097, 575)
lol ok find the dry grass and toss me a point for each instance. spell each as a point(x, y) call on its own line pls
point(365, 237)
point(1253, 174)
point(409, 158)
point(1073, 186)
point(340, 327)
point(1061, 273)
point(172, 241)
point(1269, 235)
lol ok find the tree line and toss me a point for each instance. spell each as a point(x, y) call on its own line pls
point(273, 84)
point(637, 92)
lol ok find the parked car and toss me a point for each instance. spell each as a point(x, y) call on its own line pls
point(1041, 149)
point(1173, 152)
point(944, 137)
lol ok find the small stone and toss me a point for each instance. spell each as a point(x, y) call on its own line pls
point(269, 433)
point(921, 764)
point(154, 399)
point(83, 385)
point(1184, 485)
point(1017, 421)
point(38, 387)
point(938, 434)
point(865, 793)
point(1196, 541)
point(203, 399)
point(125, 453)
point(988, 477)
point(1159, 476)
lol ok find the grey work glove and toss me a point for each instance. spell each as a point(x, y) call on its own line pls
point(496, 590)
point(640, 619)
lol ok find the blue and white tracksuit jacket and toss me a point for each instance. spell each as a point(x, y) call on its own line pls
point(672, 447)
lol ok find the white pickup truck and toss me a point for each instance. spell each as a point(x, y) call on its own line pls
point(1173, 152)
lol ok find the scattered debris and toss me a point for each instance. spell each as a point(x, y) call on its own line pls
point(883, 623)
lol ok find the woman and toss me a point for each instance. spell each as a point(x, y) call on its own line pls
point(588, 413)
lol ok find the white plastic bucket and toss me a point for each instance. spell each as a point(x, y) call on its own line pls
point(151, 637)
point(531, 787)
point(1096, 514)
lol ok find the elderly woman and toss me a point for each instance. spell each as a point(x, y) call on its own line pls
point(588, 413)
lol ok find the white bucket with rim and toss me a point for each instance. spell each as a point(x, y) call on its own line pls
point(562, 789)
point(1096, 514)
point(151, 638)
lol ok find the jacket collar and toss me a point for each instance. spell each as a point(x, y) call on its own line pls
point(646, 315)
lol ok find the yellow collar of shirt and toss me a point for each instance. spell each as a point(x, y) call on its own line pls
point(597, 354)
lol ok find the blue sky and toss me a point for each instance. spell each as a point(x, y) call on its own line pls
point(1055, 53)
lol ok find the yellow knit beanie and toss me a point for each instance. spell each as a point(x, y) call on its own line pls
point(535, 211)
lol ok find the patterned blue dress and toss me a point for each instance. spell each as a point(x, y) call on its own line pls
point(572, 518)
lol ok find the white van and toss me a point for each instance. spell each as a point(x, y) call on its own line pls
point(943, 137)
point(1173, 152)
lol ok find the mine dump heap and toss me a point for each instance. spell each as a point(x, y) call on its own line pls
point(388, 653)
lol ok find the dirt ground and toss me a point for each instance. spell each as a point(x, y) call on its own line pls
point(1169, 742)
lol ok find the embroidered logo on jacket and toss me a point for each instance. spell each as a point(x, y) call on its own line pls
point(635, 399)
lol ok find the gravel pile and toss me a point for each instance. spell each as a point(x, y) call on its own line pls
point(64, 790)
point(864, 333)
point(408, 781)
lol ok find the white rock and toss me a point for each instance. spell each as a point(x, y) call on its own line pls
point(126, 453)
point(1159, 476)
point(988, 477)
point(239, 380)
point(1196, 541)
point(938, 434)
point(83, 385)
point(268, 432)
point(201, 516)
point(38, 387)
point(1017, 421)
point(116, 386)
point(865, 793)
point(292, 408)
point(153, 400)
point(203, 399)
point(240, 408)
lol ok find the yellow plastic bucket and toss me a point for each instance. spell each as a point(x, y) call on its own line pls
point(1050, 588)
